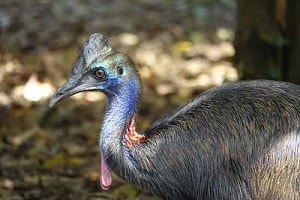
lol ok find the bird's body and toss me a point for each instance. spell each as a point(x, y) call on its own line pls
point(220, 145)
point(237, 141)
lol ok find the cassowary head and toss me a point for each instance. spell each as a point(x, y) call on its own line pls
point(101, 68)
point(98, 67)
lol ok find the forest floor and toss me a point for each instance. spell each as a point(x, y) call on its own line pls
point(181, 48)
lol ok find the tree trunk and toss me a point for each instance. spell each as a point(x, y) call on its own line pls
point(267, 39)
point(293, 32)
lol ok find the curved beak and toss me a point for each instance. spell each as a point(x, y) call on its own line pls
point(77, 82)
point(63, 92)
point(67, 90)
point(60, 94)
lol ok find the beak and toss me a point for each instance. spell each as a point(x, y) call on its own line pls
point(75, 84)
point(67, 90)
point(61, 93)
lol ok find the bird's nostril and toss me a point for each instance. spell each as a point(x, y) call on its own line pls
point(60, 93)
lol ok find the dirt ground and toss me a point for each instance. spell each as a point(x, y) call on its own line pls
point(181, 47)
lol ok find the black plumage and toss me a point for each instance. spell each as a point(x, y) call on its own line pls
point(237, 141)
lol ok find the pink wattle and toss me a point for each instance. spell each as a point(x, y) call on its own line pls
point(106, 179)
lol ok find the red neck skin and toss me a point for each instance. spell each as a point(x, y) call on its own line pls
point(131, 136)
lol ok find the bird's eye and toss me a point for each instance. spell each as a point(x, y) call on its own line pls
point(99, 73)
point(120, 70)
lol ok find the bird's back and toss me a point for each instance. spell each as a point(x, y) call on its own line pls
point(220, 145)
point(254, 97)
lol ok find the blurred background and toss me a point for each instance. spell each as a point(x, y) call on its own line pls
point(181, 48)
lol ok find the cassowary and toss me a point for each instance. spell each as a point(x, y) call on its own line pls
point(237, 141)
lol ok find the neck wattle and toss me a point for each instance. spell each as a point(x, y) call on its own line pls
point(131, 136)
point(118, 133)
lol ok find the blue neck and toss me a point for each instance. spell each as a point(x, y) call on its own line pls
point(122, 105)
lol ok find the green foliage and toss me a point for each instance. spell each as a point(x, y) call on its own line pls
point(274, 72)
point(241, 70)
point(197, 36)
point(271, 71)
point(280, 41)
point(126, 191)
point(60, 159)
